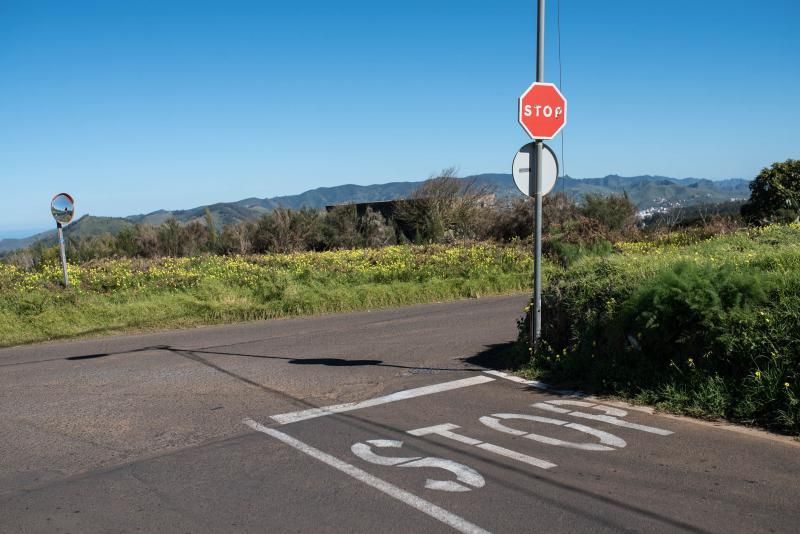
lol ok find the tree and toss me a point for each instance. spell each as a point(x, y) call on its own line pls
point(213, 238)
point(91, 247)
point(146, 241)
point(236, 238)
point(511, 220)
point(615, 212)
point(774, 194)
point(444, 205)
point(169, 237)
point(194, 238)
point(125, 243)
point(285, 230)
point(340, 228)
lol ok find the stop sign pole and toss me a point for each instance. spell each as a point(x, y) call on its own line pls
point(542, 114)
point(536, 312)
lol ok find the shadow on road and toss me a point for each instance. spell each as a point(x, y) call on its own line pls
point(106, 354)
point(492, 357)
point(330, 362)
point(335, 362)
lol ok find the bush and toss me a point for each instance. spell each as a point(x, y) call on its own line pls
point(566, 253)
point(340, 228)
point(511, 221)
point(284, 230)
point(236, 239)
point(444, 207)
point(707, 328)
point(615, 212)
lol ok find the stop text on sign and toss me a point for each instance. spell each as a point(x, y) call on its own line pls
point(542, 110)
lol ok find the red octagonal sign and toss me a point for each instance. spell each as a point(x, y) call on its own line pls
point(542, 110)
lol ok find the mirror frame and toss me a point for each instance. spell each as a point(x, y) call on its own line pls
point(67, 217)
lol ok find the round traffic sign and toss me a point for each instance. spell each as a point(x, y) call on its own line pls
point(63, 208)
point(524, 168)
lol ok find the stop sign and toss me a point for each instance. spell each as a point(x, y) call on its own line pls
point(542, 110)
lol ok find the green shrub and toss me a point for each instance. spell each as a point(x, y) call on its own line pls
point(615, 212)
point(566, 253)
point(709, 328)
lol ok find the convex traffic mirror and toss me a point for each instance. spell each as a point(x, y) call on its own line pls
point(63, 208)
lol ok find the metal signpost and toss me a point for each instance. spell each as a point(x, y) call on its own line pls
point(542, 114)
point(63, 209)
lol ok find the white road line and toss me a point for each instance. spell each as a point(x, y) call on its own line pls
point(440, 514)
point(534, 383)
point(293, 417)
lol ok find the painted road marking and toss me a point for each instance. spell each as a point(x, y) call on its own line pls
point(467, 477)
point(364, 452)
point(465, 474)
point(610, 412)
point(607, 441)
point(293, 417)
point(611, 416)
point(616, 412)
point(446, 431)
point(534, 383)
point(428, 508)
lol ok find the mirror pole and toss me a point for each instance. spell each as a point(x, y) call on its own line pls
point(63, 253)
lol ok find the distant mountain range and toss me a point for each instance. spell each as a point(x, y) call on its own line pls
point(649, 193)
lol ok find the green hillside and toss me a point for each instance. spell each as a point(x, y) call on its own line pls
point(647, 192)
point(86, 226)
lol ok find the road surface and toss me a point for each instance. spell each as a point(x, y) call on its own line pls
point(364, 422)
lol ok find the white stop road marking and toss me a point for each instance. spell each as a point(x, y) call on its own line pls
point(467, 477)
point(428, 508)
point(465, 474)
point(611, 416)
point(605, 438)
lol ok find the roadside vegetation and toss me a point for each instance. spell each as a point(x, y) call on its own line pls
point(116, 295)
point(707, 328)
point(694, 321)
point(696, 311)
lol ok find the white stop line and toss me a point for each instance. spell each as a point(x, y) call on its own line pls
point(303, 415)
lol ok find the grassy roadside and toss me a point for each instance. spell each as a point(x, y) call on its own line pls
point(112, 296)
point(709, 328)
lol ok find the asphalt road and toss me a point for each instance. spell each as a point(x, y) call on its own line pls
point(219, 430)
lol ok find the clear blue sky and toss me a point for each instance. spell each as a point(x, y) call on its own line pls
point(136, 106)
